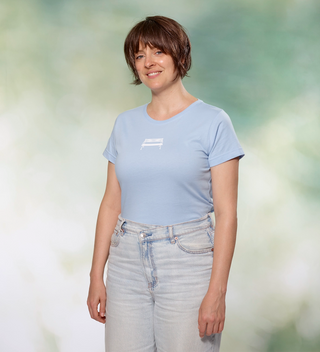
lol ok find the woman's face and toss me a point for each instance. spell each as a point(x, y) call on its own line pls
point(155, 68)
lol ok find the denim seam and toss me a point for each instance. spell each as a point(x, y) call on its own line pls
point(210, 235)
point(142, 260)
point(154, 283)
point(161, 238)
point(194, 251)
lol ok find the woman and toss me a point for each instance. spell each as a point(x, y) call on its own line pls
point(171, 163)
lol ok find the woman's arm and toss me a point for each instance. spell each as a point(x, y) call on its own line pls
point(109, 210)
point(224, 194)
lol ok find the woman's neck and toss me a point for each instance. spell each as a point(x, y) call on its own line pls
point(170, 102)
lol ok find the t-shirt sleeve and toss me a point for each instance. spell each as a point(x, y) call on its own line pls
point(223, 141)
point(111, 150)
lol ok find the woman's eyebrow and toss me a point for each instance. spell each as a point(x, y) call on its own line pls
point(151, 47)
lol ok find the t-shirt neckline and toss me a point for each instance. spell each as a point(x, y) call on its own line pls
point(160, 122)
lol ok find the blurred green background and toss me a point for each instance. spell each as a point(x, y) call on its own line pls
point(63, 81)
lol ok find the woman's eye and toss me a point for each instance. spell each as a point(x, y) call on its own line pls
point(138, 57)
point(159, 52)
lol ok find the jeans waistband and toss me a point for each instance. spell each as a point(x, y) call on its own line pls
point(175, 229)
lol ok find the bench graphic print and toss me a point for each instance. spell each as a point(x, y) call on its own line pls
point(151, 142)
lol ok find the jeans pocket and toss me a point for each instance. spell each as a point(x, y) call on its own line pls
point(115, 238)
point(197, 242)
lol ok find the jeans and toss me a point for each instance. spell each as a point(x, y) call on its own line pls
point(157, 277)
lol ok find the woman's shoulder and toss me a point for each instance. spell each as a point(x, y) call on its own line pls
point(211, 112)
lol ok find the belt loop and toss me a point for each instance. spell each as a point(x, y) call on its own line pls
point(121, 224)
point(212, 220)
point(172, 240)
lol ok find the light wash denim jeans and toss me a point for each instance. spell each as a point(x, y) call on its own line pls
point(157, 277)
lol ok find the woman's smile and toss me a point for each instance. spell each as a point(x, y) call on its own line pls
point(153, 74)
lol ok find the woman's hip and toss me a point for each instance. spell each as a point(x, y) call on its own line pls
point(180, 253)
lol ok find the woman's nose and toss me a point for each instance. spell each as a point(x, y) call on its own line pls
point(148, 61)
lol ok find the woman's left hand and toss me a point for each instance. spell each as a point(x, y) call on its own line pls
point(212, 314)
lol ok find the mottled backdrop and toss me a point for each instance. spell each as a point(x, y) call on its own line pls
point(63, 81)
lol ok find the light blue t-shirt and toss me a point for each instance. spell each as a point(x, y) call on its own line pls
point(163, 167)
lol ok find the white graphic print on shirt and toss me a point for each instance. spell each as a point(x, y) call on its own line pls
point(152, 142)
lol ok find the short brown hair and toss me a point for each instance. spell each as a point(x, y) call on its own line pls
point(162, 33)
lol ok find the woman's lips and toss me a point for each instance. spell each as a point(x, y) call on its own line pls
point(153, 74)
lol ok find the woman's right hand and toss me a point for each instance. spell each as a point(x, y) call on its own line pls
point(97, 295)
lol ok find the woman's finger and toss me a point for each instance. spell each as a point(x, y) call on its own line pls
point(215, 328)
point(96, 315)
point(102, 309)
point(89, 311)
point(89, 308)
point(202, 328)
point(221, 326)
point(93, 309)
point(209, 329)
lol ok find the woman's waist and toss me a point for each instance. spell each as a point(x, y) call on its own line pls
point(163, 231)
